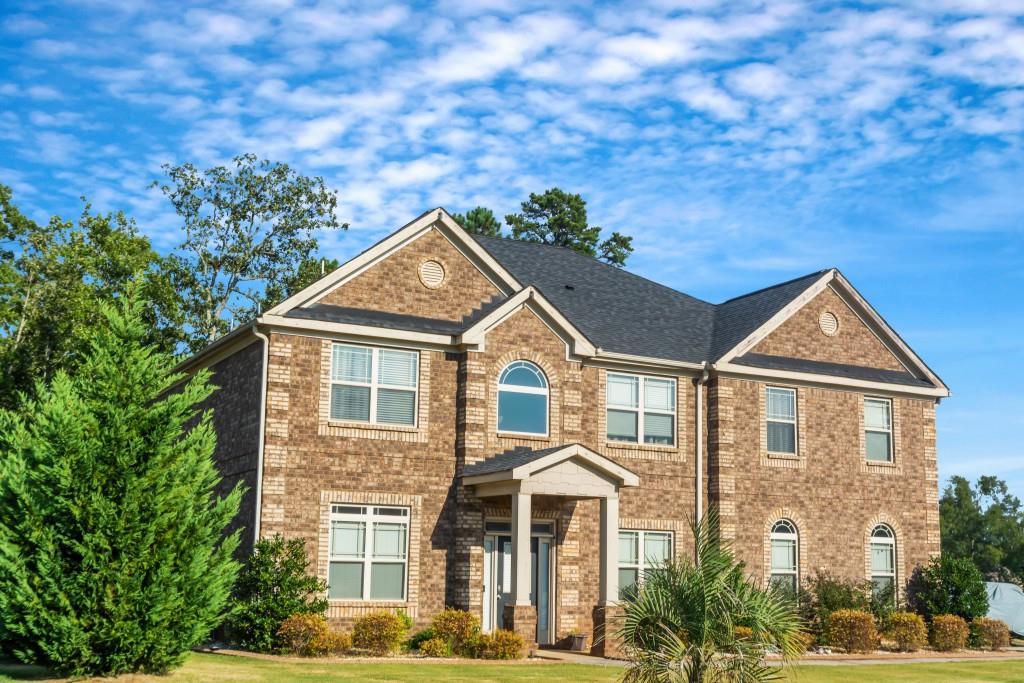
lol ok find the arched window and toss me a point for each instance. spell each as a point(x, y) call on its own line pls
point(883, 561)
point(784, 555)
point(522, 399)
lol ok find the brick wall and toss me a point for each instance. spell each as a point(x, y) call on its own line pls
point(854, 343)
point(236, 412)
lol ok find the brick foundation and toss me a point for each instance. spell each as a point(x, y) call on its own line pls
point(522, 619)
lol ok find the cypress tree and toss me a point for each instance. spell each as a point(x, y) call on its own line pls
point(113, 556)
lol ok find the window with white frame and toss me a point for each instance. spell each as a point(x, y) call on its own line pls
point(784, 540)
point(781, 419)
point(883, 561)
point(369, 552)
point(641, 407)
point(522, 399)
point(641, 552)
point(878, 429)
point(374, 385)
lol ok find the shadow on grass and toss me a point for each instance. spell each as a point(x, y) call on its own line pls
point(11, 670)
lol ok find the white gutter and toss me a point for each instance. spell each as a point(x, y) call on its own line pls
point(263, 426)
point(698, 499)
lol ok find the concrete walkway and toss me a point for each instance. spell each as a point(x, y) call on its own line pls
point(809, 660)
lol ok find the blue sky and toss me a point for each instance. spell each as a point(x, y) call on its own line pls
point(740, 143)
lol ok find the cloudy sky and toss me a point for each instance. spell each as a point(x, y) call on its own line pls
point(740, 143)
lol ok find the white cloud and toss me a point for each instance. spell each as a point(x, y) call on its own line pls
point(704, 96)
point(760, 80)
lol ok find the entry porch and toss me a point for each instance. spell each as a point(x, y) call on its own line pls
point(521, 591)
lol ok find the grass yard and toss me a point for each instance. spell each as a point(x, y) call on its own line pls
point(207, 667)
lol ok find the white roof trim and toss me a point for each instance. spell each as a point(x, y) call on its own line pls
point(523, 472)
point(435, 218)
point(531, 297)
point(833, 278)
point(352, 330)
point(828, 381)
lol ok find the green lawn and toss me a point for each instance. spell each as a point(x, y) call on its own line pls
point(206, 667)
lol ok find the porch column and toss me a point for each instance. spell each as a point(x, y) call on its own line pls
point(520, 616)
point(521, 503)
point(609, 593)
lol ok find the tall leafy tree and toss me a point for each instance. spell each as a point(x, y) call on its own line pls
point(248, 228)
point(479, 221)
point(55, 278)
point(986, 524)
point(308, 272)
point(560, 218)
point(113, 556)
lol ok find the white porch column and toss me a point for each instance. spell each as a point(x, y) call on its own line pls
point(609, 550)
point(521, 548)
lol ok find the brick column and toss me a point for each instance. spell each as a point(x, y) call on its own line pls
point(523, 620)
point(607, 622)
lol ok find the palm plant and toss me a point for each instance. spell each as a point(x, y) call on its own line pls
point(706, 622)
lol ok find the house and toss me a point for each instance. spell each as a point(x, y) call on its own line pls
point(522, 431)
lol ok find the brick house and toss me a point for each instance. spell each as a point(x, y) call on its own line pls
point(521, 431)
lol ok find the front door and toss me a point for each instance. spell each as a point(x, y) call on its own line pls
point(498, 582)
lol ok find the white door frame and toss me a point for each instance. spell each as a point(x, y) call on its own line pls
point(492, 620)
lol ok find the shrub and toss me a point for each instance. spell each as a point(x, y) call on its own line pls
point(990, 634)
point(743, 632)
point(273, 585)
point(435, 647)
point(805, 640)
point(331, 643)
point(852, 630)
point(379, 633)
point(419, 637)
point(949, 632)
point(822, 594)
point(113, 551)
point(299, 631)
point(948, 585)
point(501, 645)
point(908, 631)
point(457, 627)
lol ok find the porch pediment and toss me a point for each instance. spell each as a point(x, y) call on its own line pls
point(571, 470)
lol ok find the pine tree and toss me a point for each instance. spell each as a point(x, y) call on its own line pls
point(113, 556)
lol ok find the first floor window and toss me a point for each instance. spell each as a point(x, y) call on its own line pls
point(369, 551)
point(641, 552)
point(781, 419)
point(878, 429)
point(784, 564)
point(883, 561)
point(374, 385)
point(641, 409)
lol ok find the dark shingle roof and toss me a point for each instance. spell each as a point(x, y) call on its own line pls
point(360, 316)
point(616, 310)
point(509, 460)
point(760, 360)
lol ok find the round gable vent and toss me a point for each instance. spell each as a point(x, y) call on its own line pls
point(431, 274)
point(829, 323)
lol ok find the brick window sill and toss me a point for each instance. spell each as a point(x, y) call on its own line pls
point(783, 456)
point(369, 604)
point(881, 463)
point(627, 446)
point(523, 437)
point(368, 426)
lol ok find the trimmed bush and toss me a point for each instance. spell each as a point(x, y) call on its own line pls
point(309, 635)
point(274, 584)
point(949, 632)
point(501, 645)
point(419, 638)
point(822, 594)
point(458, 627)
point(435, 647)
point(379, 633)
point(990, 634)
point(908, 631)
point(852, 630)
point(805, 640)
point(331, 643)
point(948, 585)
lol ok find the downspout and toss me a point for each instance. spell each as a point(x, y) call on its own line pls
point(698, 502)
point(263, 426)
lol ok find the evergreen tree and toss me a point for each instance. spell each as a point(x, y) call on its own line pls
point(113, 556)
point(479, 221)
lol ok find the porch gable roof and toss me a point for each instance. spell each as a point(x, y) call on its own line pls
point(521, 463)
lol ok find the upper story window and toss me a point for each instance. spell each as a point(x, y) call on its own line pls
point(883, 560)
point(641, 407)
point(784, 548)
point(641, 552)
point(374, 385)
point(781, 419)
point(878, 429)
point(522, 399)
point(369, 551)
